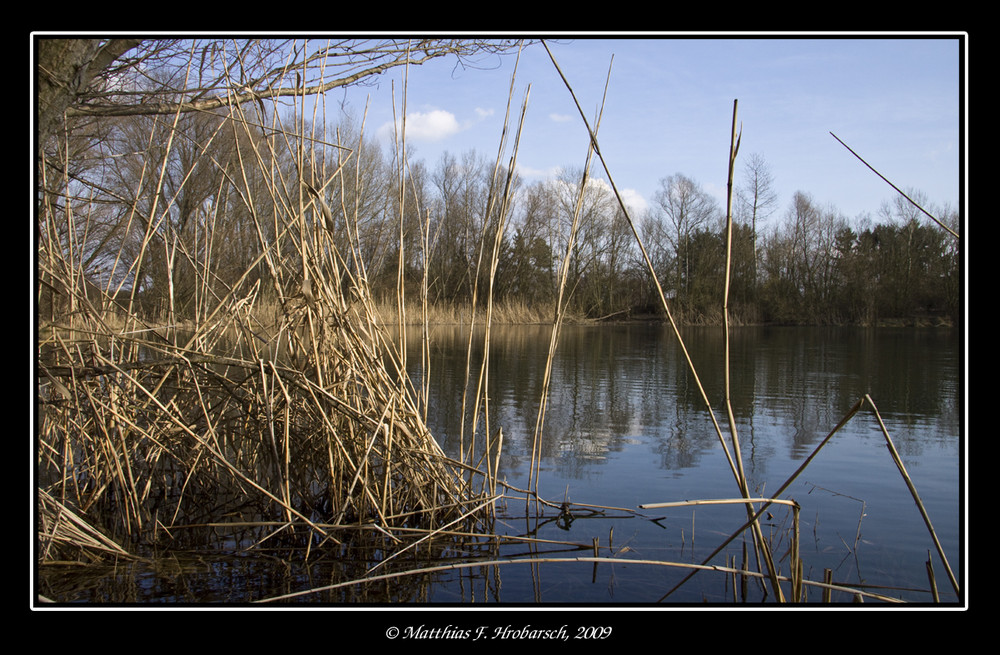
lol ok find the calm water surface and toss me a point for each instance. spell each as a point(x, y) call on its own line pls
point(626, 426)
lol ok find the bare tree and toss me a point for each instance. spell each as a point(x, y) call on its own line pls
point(757, 198)
point(812, 233)
point(462, 186)
point(684, 208)
point(529, 272)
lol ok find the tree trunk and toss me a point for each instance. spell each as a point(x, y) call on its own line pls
point(66, 68)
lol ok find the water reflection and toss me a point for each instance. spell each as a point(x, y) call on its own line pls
point(626, 425)
point(614, 384)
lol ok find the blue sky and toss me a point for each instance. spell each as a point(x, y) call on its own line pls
point(894, 100)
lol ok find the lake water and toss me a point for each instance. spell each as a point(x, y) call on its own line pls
point(626, 426)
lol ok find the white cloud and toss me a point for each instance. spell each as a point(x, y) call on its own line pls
point(427, 126)
point(560, 118)
point(433, 125)
point(538, 173)
point(634, 200)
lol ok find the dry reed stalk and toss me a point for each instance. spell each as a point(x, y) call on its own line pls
point(649, 267)
point(401, 166)
point(504, 210)
point(895, 188)
point(795, 563)
point(498, 204)
point(761, 547)
point(560, 306)
point(897, 460)
point(719, 501)
point(932, 580)
point(534, 561)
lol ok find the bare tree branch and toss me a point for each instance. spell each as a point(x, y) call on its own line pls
point(246, 76)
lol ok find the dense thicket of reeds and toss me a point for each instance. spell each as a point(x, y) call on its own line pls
point(274, 421)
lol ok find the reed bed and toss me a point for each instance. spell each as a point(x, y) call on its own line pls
point(153, 434)
point(292, 430)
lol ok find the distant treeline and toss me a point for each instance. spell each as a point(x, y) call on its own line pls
point(185, 187)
